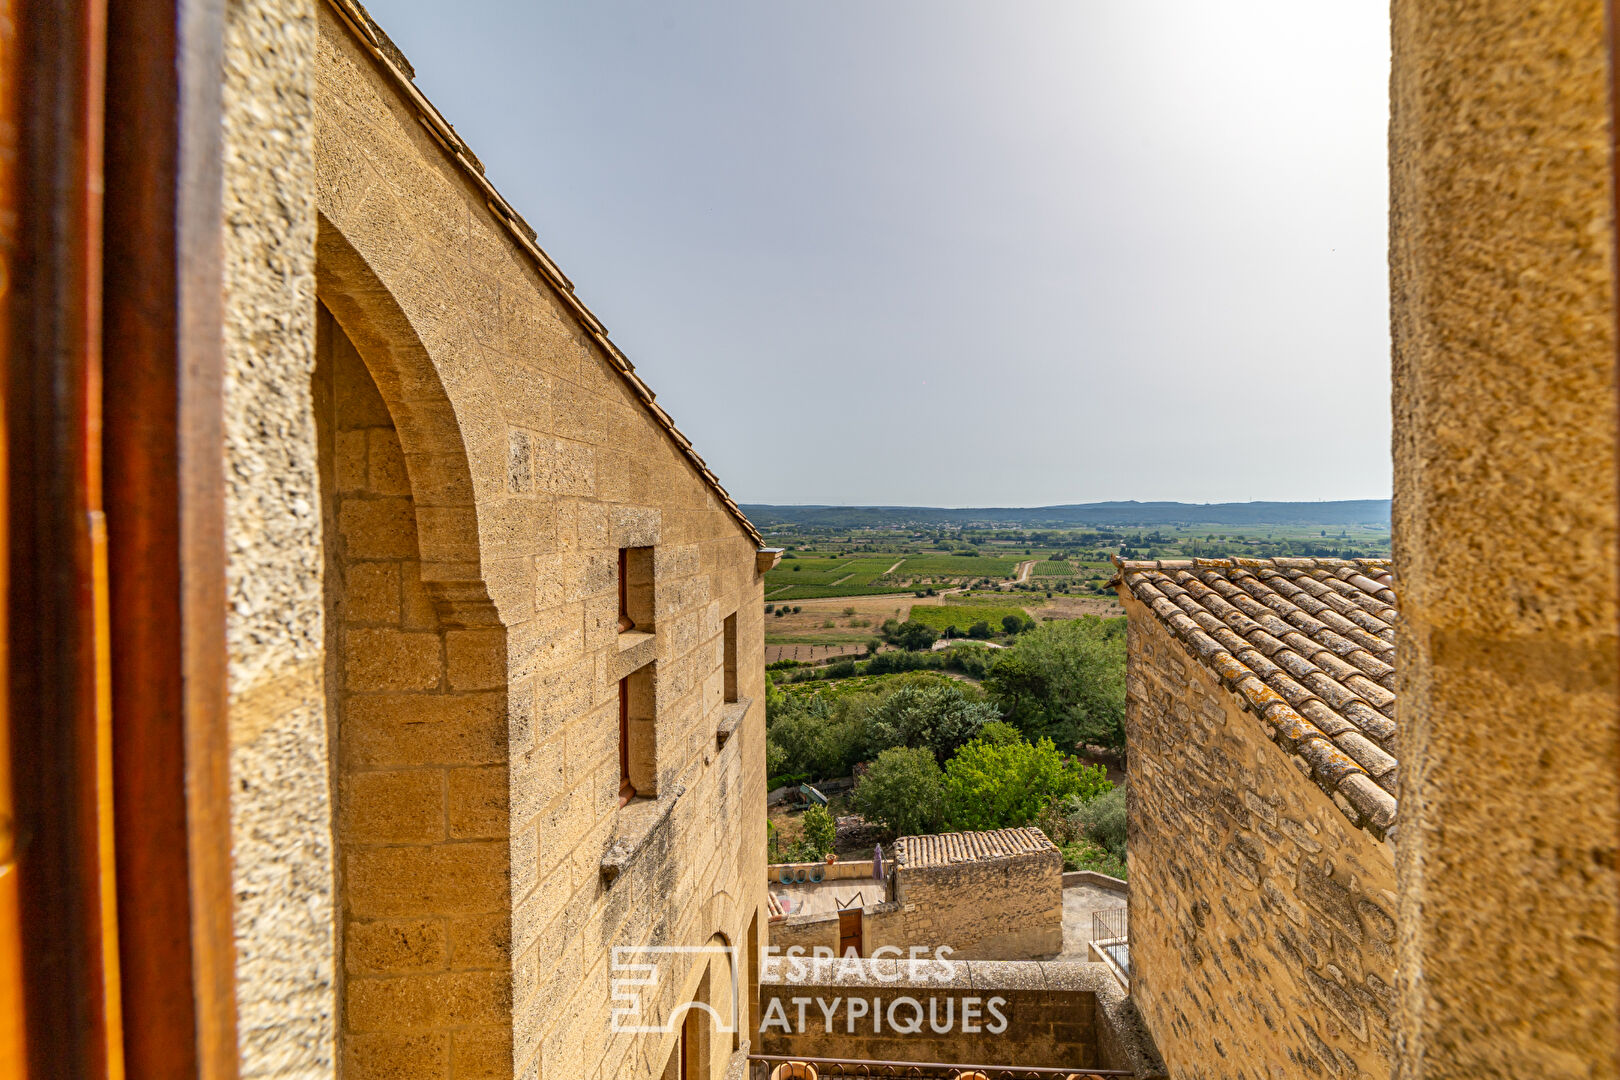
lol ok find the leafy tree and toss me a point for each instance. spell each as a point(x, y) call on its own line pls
point(1065, 681)
point(873, 645)
point(1004, 786)
point(914, 636)
point(820, 832)
point(938, 715)
point(1000, 733)
point(901, 791)
point(980, 630)
point(1013, 624)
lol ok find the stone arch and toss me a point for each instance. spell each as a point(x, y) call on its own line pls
point(436, 456)
point(417, 700)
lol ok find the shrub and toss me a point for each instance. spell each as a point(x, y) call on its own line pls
point(901, 791)
point(979, 630)
point(1004, 786)
point(1066, 681)
point(848, 612)
point(873, 645)
point(1084, 855)
point(797, 609)
point(939, 717)
point(1102, 820)
point(769, 608)
point(1000, 733)
point(915, 636)
point(893, 662)
point(1012, 624)
point(813, 740)
point(820, 832)
point(841, 669)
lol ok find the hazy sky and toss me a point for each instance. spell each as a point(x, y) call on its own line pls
point(999, 252)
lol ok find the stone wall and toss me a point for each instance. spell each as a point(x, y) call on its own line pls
point(1044, 1014)
point(420, 708)
point(989, 909)
point(529, 463)
point(1502, 294)
point(1262, 922)
point(281, 814)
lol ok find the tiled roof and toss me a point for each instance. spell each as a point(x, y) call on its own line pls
point(1309, 645)
point(375, 41)
point(950, 849)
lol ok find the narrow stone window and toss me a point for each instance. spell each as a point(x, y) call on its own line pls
point(636, 589)
point(638, 741)
point(730, 634)
point(627, 790)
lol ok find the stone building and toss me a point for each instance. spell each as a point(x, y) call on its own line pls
point(317, 476)
point(990, 895)
point(489, 632)
point(1261, 815)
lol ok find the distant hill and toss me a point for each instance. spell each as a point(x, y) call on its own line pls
point(1128, 514)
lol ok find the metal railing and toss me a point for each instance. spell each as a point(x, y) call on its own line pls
point(1110, 936)
point(780, 1067)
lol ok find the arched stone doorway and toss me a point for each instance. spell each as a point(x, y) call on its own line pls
point(417, 700)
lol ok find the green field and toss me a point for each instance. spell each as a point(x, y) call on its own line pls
point(817, 592)
point(852, 570)
point(963, 616)
point(957, 566)
point(1047, 568)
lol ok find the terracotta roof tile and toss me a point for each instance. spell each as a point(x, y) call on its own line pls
point(1309, 646)
point(950, 849)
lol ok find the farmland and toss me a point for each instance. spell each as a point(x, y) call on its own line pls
point(881, 563)
point(963, 616)
point(957, 566)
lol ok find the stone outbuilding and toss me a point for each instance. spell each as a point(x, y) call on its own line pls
point(1262, 811)
point(994, 895)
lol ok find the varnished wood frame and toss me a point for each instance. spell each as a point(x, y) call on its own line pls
point(115, 621)
point(56, 603)
point(164, 454)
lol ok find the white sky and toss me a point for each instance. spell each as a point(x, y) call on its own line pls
point(936, 252)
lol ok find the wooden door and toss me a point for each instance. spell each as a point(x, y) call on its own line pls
point(849, 932)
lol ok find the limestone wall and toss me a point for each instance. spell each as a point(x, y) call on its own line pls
point(1262, 922)
point(530, 464)
point(1502, 293)
point(281, 813)
point(990, 909)
point(1029, 1025)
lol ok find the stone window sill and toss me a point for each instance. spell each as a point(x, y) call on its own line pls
point(629, 639)
point(731, 715)
point(637, 823)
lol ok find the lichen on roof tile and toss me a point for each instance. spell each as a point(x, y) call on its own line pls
point(1308, 645)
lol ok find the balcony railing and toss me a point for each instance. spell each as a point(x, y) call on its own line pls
point(777, 1067)
point(1110, 938)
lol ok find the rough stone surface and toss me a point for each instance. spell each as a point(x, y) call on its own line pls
point(985, 907)
point(1056, 1014)
point(1262, 928)
point(488, 462)
point(1504, 535)
point(280, 810)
